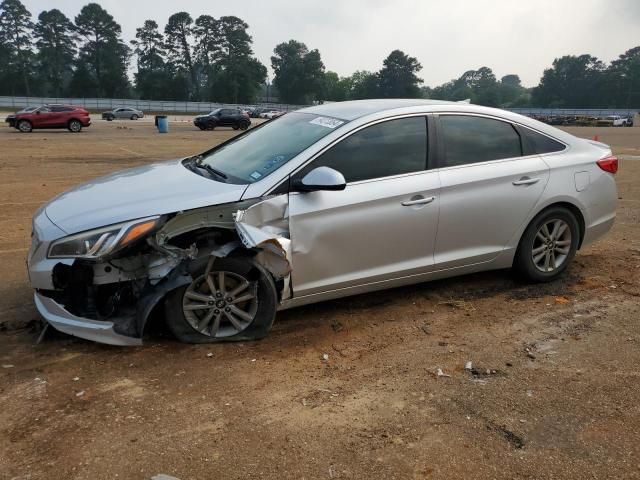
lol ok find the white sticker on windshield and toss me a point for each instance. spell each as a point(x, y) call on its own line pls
point(327, 122)
point(256, 175)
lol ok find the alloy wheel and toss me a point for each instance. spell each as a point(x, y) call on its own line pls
point(75, 126)
point(220, 304)
point(551, 245)
point(24, 126)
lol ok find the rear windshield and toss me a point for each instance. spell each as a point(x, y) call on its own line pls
point(262, 150)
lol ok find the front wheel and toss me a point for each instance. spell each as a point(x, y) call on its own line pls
point(230, 299)
point(548, 245)
point(211, 125)
point(25, 126)
point(75, 126)
point(134, 117)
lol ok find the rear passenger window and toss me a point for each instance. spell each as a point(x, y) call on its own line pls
point(470, 139)
point(382, 150)
point(536, 143)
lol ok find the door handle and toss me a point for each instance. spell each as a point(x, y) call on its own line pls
point(419, 201)
point(526, 181)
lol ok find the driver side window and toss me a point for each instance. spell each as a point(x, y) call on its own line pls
point(389, 148)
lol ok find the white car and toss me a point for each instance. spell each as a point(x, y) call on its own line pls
point(271, 114)
point(618, 121)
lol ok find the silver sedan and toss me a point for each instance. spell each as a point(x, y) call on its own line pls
point(321, 203)
point(123, 112)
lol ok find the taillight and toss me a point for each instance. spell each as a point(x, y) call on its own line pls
point(609, 164)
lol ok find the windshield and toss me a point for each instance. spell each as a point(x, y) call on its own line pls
point(263, 150)
point(213, 112)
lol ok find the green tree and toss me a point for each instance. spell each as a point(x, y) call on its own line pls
point(178, 34)
point(103, 53)
point(335, 89)
point(299, 72)
point(398, 78)
point(238, 72)
point(572, 81)
point(511, 90)
point(16, 47)
point(151, 78)
point(623, 79)
point(56, 40)
point(362, 85)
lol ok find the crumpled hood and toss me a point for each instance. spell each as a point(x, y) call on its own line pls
point(154, 189)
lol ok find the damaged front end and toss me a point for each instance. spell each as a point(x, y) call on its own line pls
point(108, 294)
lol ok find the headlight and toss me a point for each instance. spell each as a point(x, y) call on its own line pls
point(97, 243)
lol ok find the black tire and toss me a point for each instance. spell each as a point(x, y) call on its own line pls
point(523, 264)
point(243, 125)
point(134, 117)
point(24, 126)
point(236, 126)
point(211, 125)
point(201, 127)
point(242, 266)
point(109, 118)
point(74, 126)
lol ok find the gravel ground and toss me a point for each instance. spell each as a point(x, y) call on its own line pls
point(553, 393)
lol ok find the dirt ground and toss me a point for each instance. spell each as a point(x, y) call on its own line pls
point(554, 393)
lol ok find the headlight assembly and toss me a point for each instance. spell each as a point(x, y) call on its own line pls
point(95, 244)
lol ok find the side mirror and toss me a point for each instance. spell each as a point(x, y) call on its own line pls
point(321, 178)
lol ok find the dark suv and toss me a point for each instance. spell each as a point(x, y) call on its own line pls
point(223, 117)
point(51, 116)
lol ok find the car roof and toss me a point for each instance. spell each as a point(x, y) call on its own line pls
point(358, 108)
point(376, 109)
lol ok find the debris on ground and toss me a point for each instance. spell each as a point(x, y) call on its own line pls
point(325, 357)
point(80, 393)
point(468, 365)
point(440, 373)
point(209, 354)
point(459, 304)
point(562, 300)
point(7, 366)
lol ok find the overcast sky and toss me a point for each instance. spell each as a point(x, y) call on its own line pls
point(447, 36)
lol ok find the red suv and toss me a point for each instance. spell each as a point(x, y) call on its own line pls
point(51, 116)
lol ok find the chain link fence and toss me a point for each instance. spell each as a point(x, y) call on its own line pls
point(147, 106)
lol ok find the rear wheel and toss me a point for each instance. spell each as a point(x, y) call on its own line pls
point(109, 118)
point(25, 126)
point(75, 126)
point(548, 245)
point(243, 125)
point(230, 299)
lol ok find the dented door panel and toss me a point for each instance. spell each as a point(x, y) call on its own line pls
point(364, 233)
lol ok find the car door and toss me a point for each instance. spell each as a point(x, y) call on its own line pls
point(488, 187)
point(122, 113)
point(45, 117)
point(382, 225)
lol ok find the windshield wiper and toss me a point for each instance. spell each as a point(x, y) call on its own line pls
point(198, 162)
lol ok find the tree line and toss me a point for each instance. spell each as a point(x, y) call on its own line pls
point(211, 59)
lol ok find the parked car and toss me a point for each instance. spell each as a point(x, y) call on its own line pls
point(615, 121)
point(52, 116)
point(123, 112)
point(223, 117)
point(255, 113)
point(325, 202)
point(269, 114)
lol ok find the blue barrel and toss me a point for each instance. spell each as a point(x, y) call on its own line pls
point(162, 123)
